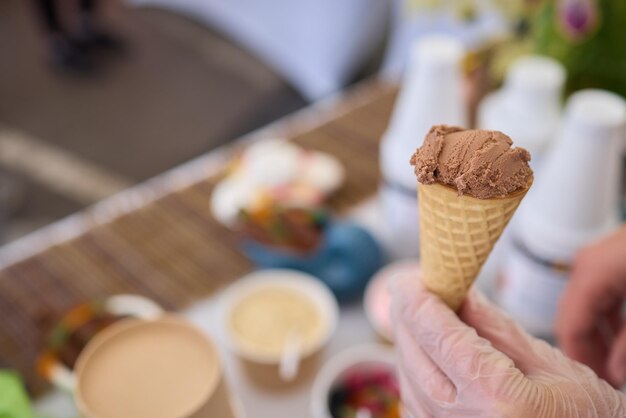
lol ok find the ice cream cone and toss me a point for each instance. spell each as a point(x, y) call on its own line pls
point(457, 234)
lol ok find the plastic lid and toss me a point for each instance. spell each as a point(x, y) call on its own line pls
point(533, 86)
point(537, 73)
point(597, 108)
point(162, 368)
point(437, 51)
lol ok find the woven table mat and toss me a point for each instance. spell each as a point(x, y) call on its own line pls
point(171, 249)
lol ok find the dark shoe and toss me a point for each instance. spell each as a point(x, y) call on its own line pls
point(68, 56)
point(93, 37)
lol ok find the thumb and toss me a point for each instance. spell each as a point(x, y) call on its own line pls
point(529, 353)
point(453, 346)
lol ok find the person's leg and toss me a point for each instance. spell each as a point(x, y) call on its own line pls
point(49, 15)
point(63, 51)
point(92, 33)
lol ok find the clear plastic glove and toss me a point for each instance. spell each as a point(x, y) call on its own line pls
point(482, 364)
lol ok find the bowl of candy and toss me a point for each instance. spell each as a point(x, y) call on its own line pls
point(359, 382)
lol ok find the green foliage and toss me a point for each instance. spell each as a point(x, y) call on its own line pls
point(14, 402)
point(597, 60)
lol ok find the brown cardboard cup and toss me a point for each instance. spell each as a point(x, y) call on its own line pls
point(159, 368)
point(267, 374)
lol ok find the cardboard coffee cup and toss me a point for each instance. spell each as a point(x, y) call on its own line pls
point(157, 366)
point(160, 368)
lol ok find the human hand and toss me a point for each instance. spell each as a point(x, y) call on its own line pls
point(482, 364)
point(589, 325)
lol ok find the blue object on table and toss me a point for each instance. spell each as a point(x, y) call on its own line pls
point(346, 259)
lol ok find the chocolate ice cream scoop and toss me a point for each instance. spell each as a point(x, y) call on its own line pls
point(477, 163)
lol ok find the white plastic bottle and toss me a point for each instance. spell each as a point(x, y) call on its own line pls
point(528, 106)
point(431, 94)
point(572, 203)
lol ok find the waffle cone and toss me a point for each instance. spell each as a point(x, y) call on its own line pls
point(457, 233)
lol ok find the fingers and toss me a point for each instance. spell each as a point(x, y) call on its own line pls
point(413, 401)
point(491, 323)
point(453, 347)
point(595, 291)
point(415, 364)
point(593, 349)
point(420, 371)
point(616, 364)
point(422, 382)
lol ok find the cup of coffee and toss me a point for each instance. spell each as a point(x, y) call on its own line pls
point(149, 364)
point(271, 316)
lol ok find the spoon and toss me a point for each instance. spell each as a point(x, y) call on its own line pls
point(363, 413)
point(290, 358)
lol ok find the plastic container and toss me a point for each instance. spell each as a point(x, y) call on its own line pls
point(264, 368)
point(354, 358)
point(431, 94)
point(160, 362)
point(573, 202)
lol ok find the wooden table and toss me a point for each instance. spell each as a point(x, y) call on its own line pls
point(158, 239)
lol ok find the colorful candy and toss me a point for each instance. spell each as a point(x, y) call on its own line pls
point(371, 392)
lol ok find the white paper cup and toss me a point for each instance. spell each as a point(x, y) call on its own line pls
point(263, 368)
point(359, 357)
point(575, 199)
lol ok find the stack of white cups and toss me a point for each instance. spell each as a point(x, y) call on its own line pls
point(573, 202)
point(528, 109)
point(431, 94)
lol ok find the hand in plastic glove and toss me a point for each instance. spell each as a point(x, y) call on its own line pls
point(482, 364)
point(589, 323)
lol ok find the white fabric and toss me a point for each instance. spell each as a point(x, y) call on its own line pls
point(409, 23)
point(317, 45)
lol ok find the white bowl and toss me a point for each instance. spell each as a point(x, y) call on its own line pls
point(334, 368)
point(303, 283)
point(380, 283)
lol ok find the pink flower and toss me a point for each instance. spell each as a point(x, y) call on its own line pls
point(577, 18)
